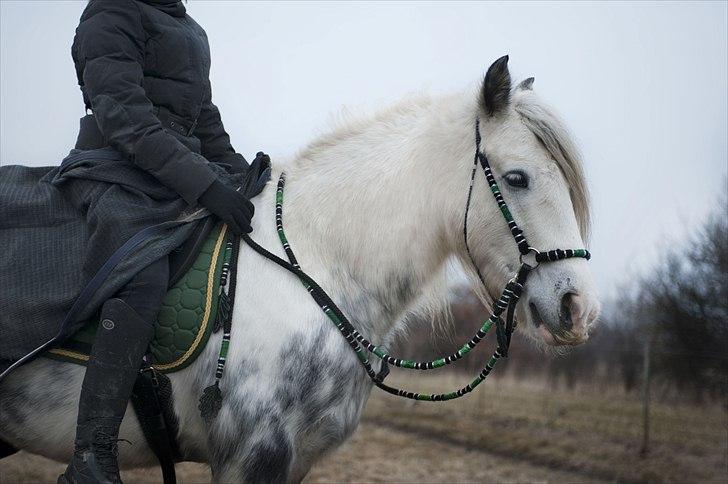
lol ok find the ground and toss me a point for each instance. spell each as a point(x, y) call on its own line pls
point(506, 431)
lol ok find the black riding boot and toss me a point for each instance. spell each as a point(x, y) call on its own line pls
point(120, 344)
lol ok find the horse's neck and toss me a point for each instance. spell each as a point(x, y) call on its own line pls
point(369, 212)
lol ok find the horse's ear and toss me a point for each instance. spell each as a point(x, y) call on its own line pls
point(495, 94)
point(526, 84)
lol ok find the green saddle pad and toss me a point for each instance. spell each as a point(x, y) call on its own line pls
point(186, 318)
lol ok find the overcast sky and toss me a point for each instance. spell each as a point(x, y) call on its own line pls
point(642, 85)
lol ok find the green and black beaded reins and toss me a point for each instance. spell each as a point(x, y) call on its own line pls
point(529, 259)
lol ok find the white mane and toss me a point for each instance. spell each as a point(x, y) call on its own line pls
point(349, 123)
point(538, 116)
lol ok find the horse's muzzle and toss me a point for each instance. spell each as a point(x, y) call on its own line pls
point(576, 315)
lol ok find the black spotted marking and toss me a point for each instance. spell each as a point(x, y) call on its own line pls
point(270, 459)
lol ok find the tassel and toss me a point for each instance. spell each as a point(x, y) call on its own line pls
point(223, 312)
point(210, 402)
point(211, 399)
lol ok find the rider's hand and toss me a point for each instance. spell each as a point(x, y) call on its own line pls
point(232, 207)
point(263, 158)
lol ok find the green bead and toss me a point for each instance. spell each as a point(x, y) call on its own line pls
point(464, 350)
point(224, 347)
point(506, 213)
point(476, 381)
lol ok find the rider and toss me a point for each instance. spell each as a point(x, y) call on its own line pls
point(143, 68)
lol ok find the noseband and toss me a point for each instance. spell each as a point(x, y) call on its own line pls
point(362, 347)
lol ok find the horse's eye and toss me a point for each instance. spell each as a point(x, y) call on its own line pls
point(516, 178)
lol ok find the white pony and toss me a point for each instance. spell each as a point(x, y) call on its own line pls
point(373, 211)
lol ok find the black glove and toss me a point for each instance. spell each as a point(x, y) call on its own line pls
point(232, 207)
point(262, 157)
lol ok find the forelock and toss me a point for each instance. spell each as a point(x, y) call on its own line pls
point(543, 122)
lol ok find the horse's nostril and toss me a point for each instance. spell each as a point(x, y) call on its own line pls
point(566, 303)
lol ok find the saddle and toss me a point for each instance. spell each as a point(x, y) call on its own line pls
point(189, 310)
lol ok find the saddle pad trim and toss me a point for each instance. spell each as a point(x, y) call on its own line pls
point(202, 334)
point(69, 354)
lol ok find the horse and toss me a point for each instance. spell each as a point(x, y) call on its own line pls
point(374, 210)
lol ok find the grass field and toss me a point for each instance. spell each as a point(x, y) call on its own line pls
point(507, 431)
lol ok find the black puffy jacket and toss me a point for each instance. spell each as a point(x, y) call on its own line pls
point(143, 68)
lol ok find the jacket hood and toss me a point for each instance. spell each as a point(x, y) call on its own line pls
point(174, 8)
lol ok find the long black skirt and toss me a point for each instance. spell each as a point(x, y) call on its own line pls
point(59, 226)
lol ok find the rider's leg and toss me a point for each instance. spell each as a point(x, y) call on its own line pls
point(121, 341)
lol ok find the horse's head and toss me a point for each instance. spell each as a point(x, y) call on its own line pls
point(539, 173)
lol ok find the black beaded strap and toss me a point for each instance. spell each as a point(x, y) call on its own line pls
point(558, 254)
point(518, 236)
point(342, 323)
point(506, 302)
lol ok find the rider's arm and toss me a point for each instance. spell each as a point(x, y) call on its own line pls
point(111, 40)
point(215, 140)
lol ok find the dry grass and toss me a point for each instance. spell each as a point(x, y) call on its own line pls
point(506, 431)
point(597, 434)
point(379, 453)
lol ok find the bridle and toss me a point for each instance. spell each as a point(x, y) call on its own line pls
point(529, 259)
